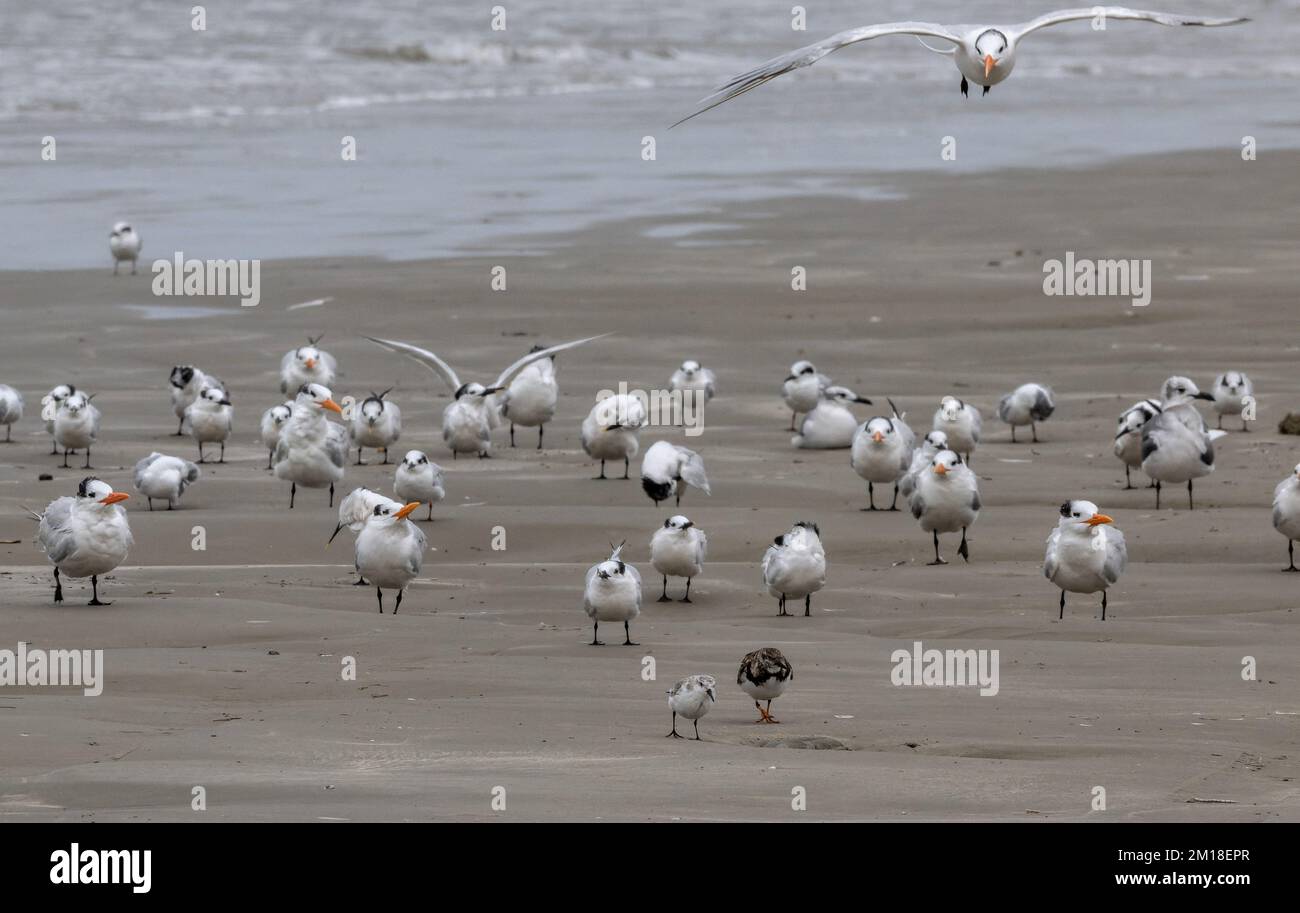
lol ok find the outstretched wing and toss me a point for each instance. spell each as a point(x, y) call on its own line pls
point(1114, 12)
point(508, 374)
point(809, 55)
point(424, 357)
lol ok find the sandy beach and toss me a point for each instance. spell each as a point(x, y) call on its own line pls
point(223, 665)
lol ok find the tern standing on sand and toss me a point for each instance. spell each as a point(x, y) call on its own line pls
point(1232, 391)
point(419, 479)
point(124, 244)
point(1085, 553)
point(612, 430)
point(76, 425)
point(355, 509)
point(984, 54)
point(1028, 404)
point(961, 422)
point(803, 389)
point(693, 377)
point(794, 566)
point(184, 385)
point(764, 675)
point(11, 409)
point(273, 421)
point(691, 698)
point(946, 499)
point(830, 425)
point(882, 453)
point(666, 468)
point(1128, 436)
point(86, 535)
point(1286, 512)
point(531, 398)
point(468, 420)
point(375, 423)
point(165, 477)
point(211, 418)
point(50, 404)
point(931, 444)
point(1176, 445)
point(612, 593)
point(390, 550)
point(312, 449)
point(678, 549)
point(307, 365)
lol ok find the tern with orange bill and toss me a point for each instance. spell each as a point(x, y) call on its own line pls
point(307, 365)
point(311, 449)
point(390, 549)
point(984, 54)
point(1085, 553)
point(85, 535)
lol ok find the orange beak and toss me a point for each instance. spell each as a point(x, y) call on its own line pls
point(311, 362)
point(407, 510)
point(877, 437)
point(989, 64)
point(1099, 519)
point(941, 470)
point(332, 406)
point(115, 497)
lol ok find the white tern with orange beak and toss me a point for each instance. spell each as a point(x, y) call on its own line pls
point(311, 449)
point(1085, 553)
point(307, 365)
point(390, 549)
point(86, 535)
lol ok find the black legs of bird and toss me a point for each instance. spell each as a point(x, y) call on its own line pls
point(94, 592)
point(293, 490)
point(965, 88)
point(871, 497)
point(937, 558)
point(331, 494)
point(223, 454)
point(1103, 606)
point(597, 642)
point(1190, 504)
point(180, 428)
point(665, 597)
point(687, 597)
point(780, 604)
point(58, 587)
point(627, 464)
point(1290, 551)
point(675, 735)
point(964, 549)
point(540, 429)
point(807, 606)
point(1128, 482)
point(380, 593)
point(65, 457)
point(986, 90)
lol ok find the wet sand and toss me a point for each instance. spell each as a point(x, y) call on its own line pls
point(223, 665)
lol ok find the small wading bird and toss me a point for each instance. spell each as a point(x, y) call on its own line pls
point(468, 420)
point(802, 390)
point(124, 244)
point(1232, 391)
point(612, 593)
point(86, 535)
point(984, 54)
point(764, 675)
point(1084, 553)
point(692, 697)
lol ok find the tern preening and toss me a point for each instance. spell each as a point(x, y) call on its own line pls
point(468, 420)
point(984, 54)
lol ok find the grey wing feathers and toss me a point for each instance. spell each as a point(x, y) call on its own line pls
point(975, 500)
point(1116, 12)
point(56, 530)
point(1043, 406)
point(806, 56)
point(917, 504)
point(1004, 408)
point(336, 444)
point(1049, 559)
point(424, 357)
point(143, 465)
point(1116, 555)
point(508, 374)
point(692, 471)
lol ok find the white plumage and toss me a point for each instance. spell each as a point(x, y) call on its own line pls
point(311, 448)
point(1286, 512)
point(531, 398)
point(306, 365)
point(922, 454)
point(419, 479)
point(882, 453)
point(691, 698)
point(76, 425)
point(612, 430)
point(612, 593)
point(961, 422)
point(831, 424)
point(184, 386)
point(390, 549)
point(377, 423)
point(946, 499)
point(11, 409)
point(678, 549)
point(161, 476)
point(50, 404)
point(273, 421)
point(692, 376)
point(1085, 553)
point(124, 244)
point(794, 566)
point(1232, 391)
point(1176, 445)
point(86, 535)
point(1028, 404)
point(211, 418)
point(1128, 436)
point(803, 389)
point(666, 467)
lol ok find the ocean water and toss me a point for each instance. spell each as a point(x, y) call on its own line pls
point(226, 141)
